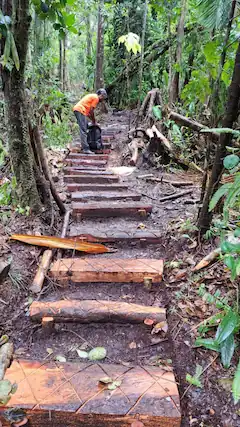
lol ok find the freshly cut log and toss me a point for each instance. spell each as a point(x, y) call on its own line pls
point(100, 270)
point(88, 156)
point(79, 171)
point(96, 187)
point(93, 195)
point(104, 209)
point(95, 311)
point(71, 394)
point(90, 179)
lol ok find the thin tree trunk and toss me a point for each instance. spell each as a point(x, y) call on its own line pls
point(231, 114)
point(169, 53)
point(142, 53)
point(99, 80)
point(61, 62)
point(16, 111)
point(89, 36)
point(64, 66)
point(215, 95)
point(174, 90)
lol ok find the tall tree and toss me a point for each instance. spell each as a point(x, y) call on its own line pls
point(231, 114)
point(99, 78)
point(142, 51)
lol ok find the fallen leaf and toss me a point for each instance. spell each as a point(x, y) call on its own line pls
point(114, 385)
point(132, 345)
point(141, 226)
point(60, 358)
point(161, 326)
point(106, 380)
point(149, 322)
point(82, 354)
point(97, 353)
point(60, 242)
point(49, 351)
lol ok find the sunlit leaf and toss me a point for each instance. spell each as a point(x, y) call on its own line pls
point(208, 343)
point(227, 350)
point(82, 354)
point(222, 191)
point(60, 358)
point(236, 385)
point(97, 353)
point(227, 326)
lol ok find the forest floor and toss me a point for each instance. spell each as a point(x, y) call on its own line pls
point(209, 406)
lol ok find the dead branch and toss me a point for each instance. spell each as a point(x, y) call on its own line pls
point(175, 195)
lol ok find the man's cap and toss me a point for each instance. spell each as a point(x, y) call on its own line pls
point(102, 92)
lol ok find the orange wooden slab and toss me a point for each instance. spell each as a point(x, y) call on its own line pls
point(110, 209)
point(90, 179)
point(79, 196)
point(87, 270)
point(83, 162)
point(96, 187)
point(71, 394)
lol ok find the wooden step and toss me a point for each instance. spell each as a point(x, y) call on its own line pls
point(81, 156)
point(106, 142)
point(87, 270)
point(91, 179)
point(96, 187)
point(79, 171)
point(79, 196)
point(95, 311)
point(71, 394)
point(107, 209)
point(83, 162)
point(148, 236)
point(84, 167)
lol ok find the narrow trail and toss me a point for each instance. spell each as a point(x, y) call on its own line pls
point(109, 300)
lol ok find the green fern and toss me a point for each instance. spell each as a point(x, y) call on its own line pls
point(214, 13)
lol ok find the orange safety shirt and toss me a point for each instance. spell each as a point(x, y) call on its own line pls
point(86, 103)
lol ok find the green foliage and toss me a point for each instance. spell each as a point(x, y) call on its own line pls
point(10, 54)
point(157, 112)
point(56, 12)
point(195, 379)
point(213, 14)
point(56, 134)
point(131, 42)
point(236, 385)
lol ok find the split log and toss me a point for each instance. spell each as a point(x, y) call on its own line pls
point(134, 147)
point(167, 145)
point(192, 124)
point(6, 355)
point(95, 311)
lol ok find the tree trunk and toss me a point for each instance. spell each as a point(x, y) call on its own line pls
point(64, 72)
point(61, 62)
point(231, 114)
point(89, 37)
point(99, 80)
point(142, 53)
point(174, 90)
point(16, 111)
point(215, 96)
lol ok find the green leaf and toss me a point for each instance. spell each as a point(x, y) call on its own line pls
point(5, 389)
point(60, 358)
point(227, 326)
point(236, 385)
point(14, 53)
point(222, 191)
point(114, 385)
point(231, 264)
point(69, 20)
point(228, 247)
point(208, 343)
point(231, 161)
point(82, 354)
point(97, 353)
point(7, 49)
point(227, 350)
point(157, 112)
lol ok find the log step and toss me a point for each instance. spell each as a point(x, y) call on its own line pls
point(84, 162)
point(106, 143)
point(105, 209)
point(116, 270)
point(89, 157)
point(96, 187)
point(90, 179)
point(95, 311)
point(79, 196)
point(71, 394)
point(90, 235)
point(84, 171)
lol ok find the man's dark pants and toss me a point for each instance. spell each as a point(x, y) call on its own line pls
point(83, 124)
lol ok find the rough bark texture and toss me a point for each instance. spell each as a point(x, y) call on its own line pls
point(13, 86)
point(231, 114)
point(99, 81)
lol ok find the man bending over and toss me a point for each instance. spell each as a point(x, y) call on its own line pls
point(84, 110)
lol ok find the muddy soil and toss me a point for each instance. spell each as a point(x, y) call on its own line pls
point(210, 406)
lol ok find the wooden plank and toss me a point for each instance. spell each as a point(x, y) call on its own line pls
point(87, 270)
point(79, 171)
point(88, 168)
point(90, 179)
point(88, 156)
point(83, 162)
point(71, 394)
point(79, 196)
point(96, 187)
point(113, 209)
point(95, 311)
point(148, 236)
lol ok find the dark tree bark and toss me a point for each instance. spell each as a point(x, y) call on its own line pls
point(231, 114)
point(16, 111)
point(88, 36)
point(174, 89)
point(99, 80)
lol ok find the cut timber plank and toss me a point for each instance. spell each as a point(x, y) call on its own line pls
point(148, 236)
point(104, 209)
point(96, 187)
point(85, 270)
point(93, 195)
point(86, 168)
point(90, 179)
point(95, 311)
point(88, 156)
point(80, 171)
point(83, 162)
point(70, 394)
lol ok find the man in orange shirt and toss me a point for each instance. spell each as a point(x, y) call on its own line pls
point(83, 111)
